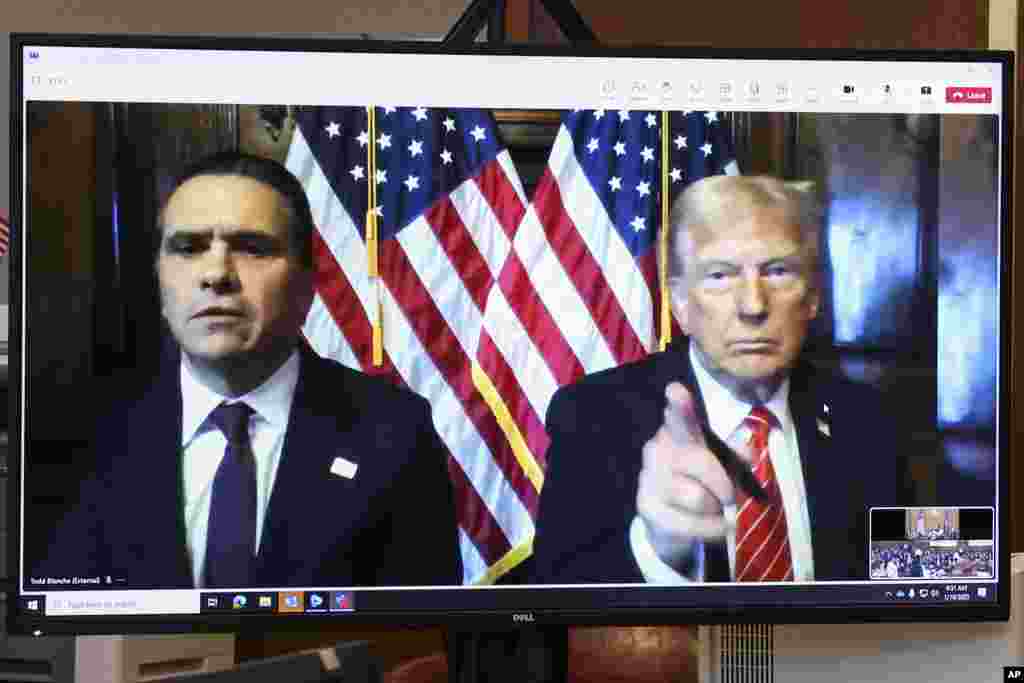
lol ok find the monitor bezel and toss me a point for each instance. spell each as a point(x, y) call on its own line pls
point(486, 618)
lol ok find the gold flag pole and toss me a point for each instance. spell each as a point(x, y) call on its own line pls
point(666, 312)
point(372, 265)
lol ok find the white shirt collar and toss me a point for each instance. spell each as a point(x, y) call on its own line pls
point(271, 400)
point(725, 412)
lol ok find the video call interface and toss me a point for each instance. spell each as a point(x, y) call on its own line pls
point(462, 417)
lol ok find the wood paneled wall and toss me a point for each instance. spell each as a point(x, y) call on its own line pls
point(879, 24)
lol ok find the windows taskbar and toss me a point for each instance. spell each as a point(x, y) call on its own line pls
point(339, 602)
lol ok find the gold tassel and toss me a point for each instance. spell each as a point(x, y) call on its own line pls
point(666, 311)
point(378, 335)
point(371, 244)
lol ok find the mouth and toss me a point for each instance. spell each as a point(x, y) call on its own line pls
point(754, 345)
point(217, 313)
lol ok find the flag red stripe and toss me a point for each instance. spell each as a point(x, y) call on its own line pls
point(458, 244)
point(507, 384)
point(499, 192)
point(475, 517)
point(586, 273)
point(451, 361)
point(537, 320)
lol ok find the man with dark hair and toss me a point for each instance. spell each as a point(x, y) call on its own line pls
point(724, 458)
point(249, 461)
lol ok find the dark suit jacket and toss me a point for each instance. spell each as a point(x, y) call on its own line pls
point(599, 425)
point(393, 523)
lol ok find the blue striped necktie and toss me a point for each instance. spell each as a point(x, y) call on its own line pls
point(231, 534)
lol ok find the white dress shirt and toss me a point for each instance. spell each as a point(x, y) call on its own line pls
point(726, 417)
point(203, 446)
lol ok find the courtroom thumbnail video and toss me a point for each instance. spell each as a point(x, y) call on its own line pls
point(932, 543)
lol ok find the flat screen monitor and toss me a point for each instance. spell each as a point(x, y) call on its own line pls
point(310, 331)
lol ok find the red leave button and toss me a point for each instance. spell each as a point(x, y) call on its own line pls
point(974, 95)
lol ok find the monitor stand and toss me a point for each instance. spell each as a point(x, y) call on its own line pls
point(524, 655)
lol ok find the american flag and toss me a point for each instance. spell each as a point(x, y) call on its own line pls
point(587, 245)
point(5, 232)
point(489, 303)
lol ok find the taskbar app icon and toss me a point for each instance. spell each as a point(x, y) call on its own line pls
point(316, 601)
point(342, 601)
point(291, 602)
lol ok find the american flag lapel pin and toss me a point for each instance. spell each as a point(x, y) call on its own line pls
point(343, 468)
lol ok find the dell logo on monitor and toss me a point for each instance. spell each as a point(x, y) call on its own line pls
point(525, 618)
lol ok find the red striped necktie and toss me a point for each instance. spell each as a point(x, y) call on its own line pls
point(762, 536)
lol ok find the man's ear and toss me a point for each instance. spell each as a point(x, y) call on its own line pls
point(814, 300)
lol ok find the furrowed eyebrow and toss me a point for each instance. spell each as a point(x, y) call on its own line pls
point(711, 265)
point(178, 236)
point(791, 260)
point(244, 235)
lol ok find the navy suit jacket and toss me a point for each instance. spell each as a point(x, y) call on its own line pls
point(393, 523)
point(599, 425)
